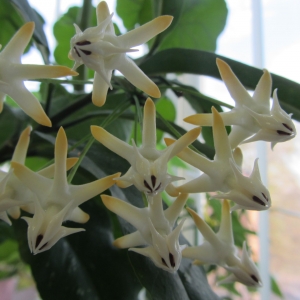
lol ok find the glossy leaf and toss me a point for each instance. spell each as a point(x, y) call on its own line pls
point(199, 25)
point(10, 123)
point(134, 12)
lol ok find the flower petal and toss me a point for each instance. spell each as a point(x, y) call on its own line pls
point(41, 71)
point(144, 33)
point(22, 146)
point(29, 103)
point(112, 143)
point(237, 91)
point(125, 210)
point(137, 77)
point(149, 125)
point(130, 240)
point(16, 46)
point(100, 88)
point(84, 192)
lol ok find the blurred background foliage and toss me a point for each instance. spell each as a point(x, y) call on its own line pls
point(86, 265)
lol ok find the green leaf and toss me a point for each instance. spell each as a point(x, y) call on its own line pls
point(10, 123)
point(199, 25)
point(275, 288)
point(204, 63)
point(10, 22)
point(133, 12)
point(167, 109)
point(29, 14)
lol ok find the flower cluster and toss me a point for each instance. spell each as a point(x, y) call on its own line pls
point(51, 200)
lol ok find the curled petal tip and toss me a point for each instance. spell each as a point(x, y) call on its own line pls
point(193, 119)
point(195, 132)
point(43, 120)
point(71, 161)
point(153, 91)
point(61, 71)
point(221, 63)
point(106, 200)
point(28, 28)
point(117, 244)
point(169, 141)
point(98, 101)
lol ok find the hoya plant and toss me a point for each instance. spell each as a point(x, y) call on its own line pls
point(89, 198)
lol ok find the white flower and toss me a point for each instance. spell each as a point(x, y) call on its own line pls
point(13, 74)
point(57, 201)
point(102, 51)
point(154, 229)
point(219, 249)
point(223, 173)
point(13, 193)
point(148, 171)
point(251, 118)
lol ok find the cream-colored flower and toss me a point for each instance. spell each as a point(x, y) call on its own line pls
point(13, 193)
point(219, 249)
point(154, 229)
point(252, 118)
point(148, 171)
point(223, 174)
point(57, 201)
point(102, 51)
point(13, 74)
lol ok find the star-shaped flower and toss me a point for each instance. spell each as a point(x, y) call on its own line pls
point(154, 229)
point(13, 193)
point(252, 118)
point(57, 201)
point(148, 171)
point(102, 51)
point(219, 249)
point(13, 74)
point(223, 173)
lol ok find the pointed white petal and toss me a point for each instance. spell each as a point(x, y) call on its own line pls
point(103, 13)
point(144, 33)
point(225, 231)
point(29, 103)
point(49, 171)
point(149, 125)
point(130, 240)
point(262, 91)
point(84, 192)
point(5, 218)
point(184, 141)
point(100, 88)
point(198, 161)
point(173, 211)
point(60, 155)
point(237, 91)
point(111, 142)
point(16, 46)
point(22, 146)
point(41, 71)
point(137, 77)
point(35, 182)
point(206, 231)
point(125, 210)
point(221, 142)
